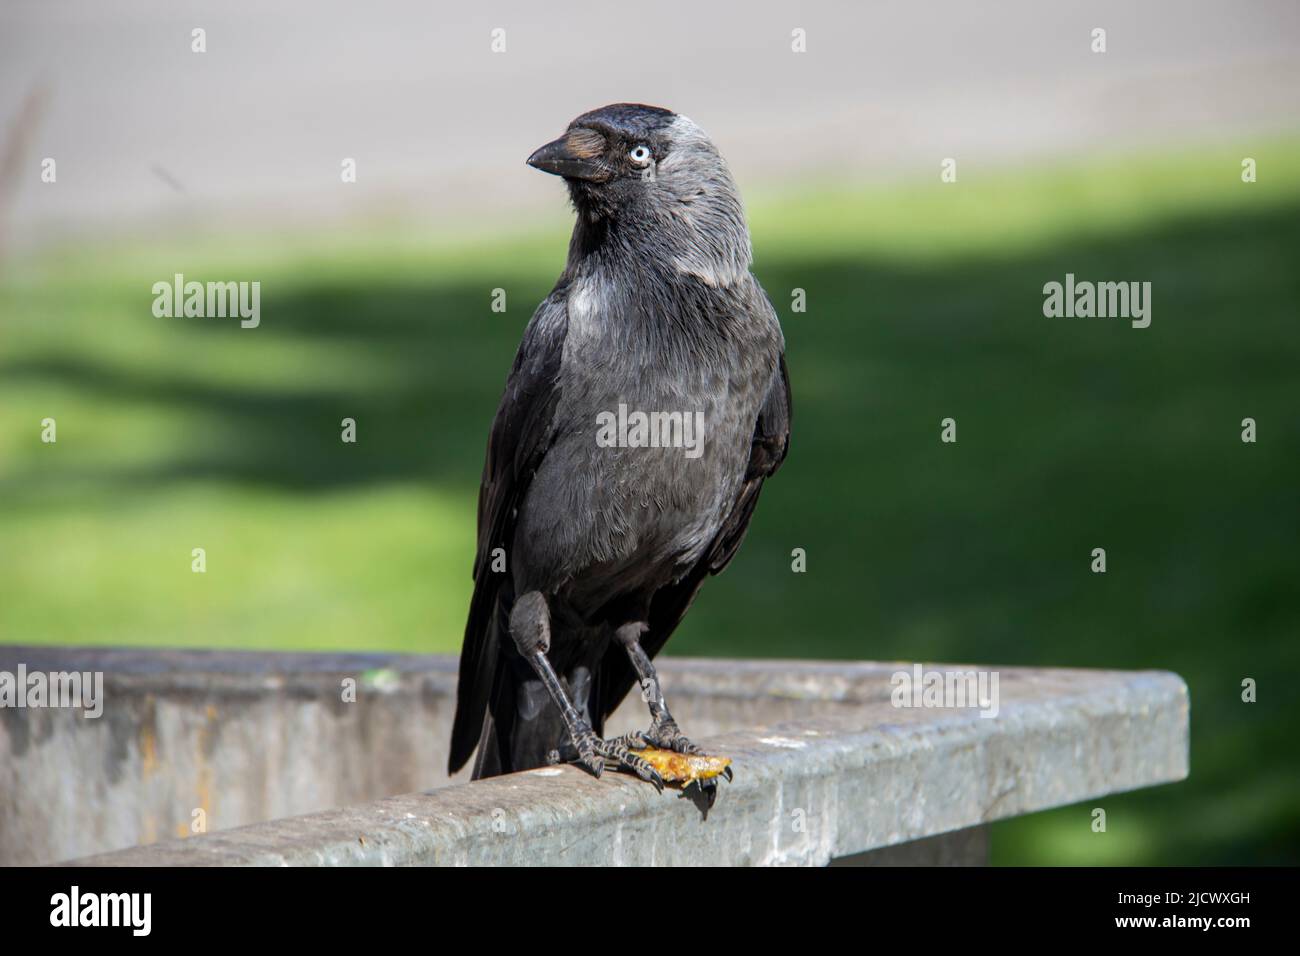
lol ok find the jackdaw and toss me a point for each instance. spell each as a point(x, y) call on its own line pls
point(596, 529)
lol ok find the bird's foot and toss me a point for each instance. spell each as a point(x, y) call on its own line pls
point(664, 734)
point(594, 755)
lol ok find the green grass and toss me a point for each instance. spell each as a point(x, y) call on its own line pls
point(924, 301)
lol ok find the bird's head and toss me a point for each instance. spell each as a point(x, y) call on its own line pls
point(657, 176)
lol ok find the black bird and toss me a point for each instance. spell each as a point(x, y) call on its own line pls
point(596, 530)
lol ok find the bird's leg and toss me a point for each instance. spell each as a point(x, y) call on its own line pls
point(664, 732)
point(530, 626)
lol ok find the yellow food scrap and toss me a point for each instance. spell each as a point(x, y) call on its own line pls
point(683, 768)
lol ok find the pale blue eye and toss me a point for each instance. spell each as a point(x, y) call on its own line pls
point(639, 155)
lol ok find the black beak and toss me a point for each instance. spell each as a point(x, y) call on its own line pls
point(562, 159)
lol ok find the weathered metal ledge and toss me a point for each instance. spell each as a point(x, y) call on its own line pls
point(826, 767)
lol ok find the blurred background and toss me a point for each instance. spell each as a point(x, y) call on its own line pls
point(924, 301)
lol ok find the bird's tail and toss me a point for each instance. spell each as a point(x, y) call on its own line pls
point(488, 762)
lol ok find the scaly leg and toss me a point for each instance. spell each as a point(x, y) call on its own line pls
point(530, 626)
point(664, 732)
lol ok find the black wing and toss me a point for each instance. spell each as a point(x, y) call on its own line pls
point(669, 605)
point(521, 434)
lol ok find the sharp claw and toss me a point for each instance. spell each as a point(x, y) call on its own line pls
point(589, 756)
point(727, 774)
point(646, 772)
point(596, 755)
